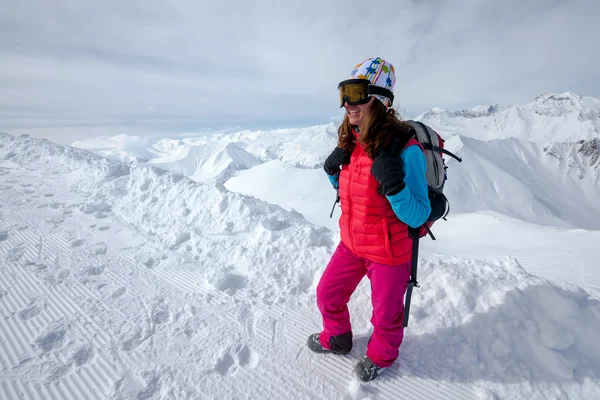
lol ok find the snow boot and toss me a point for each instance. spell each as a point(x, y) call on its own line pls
point(366, 371)
point(340, 344)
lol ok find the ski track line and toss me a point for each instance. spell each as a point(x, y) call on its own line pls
point(102, 237)
point(64, 247)
point(80, 289)
point(66, 309)
point(182, 280)
point(102, 370)
point(63, 309)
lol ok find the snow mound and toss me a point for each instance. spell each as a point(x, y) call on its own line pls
point(228, 234)
point(492, 322)
point(77, 165)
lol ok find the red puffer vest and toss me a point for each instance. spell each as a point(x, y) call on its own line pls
point(368, 224)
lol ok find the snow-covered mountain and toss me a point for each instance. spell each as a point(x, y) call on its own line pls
point(125, 148)
point(215, 160)
point(550, 117)
point(544, 181)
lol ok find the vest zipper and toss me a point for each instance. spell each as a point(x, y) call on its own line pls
point(350, 208)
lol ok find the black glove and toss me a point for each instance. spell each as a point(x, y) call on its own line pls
point(389, 172)
point(337, 157)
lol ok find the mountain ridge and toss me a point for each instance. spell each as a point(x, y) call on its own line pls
point(550, 117)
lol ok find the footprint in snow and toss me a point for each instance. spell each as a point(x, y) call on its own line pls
point(225, 364)
point(3, 236)
point(100, 215)
point(161, 314)
point(104, 228)
point(181, 238)
point(60, 277)
point(58, 372)
point(57, 220)
point(239, 356)
point(77, 242)
point(16, 253)
point(275, 224)
point(100, 249)
point(48, 194)
point(231, 282)
point(248, 357)
point(83, 355)
point(33, 310)
point(52, 339)
point(119, 292)
point(95, 270)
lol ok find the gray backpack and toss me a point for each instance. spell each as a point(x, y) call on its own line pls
point(433, 146)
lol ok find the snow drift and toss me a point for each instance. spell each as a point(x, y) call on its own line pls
point(242, 235)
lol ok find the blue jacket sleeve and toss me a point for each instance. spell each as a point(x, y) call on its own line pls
point(335, 180)
point(411, 204)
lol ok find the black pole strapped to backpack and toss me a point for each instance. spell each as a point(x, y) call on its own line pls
point(414, 234)
point(337, 200)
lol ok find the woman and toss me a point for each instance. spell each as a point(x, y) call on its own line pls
point(381, 197)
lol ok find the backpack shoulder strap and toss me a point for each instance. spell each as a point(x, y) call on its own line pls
point(429, 145)
point(398, 143)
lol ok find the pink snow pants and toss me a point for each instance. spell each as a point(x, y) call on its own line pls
point(388, 286)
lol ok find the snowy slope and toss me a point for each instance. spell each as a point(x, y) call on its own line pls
point(550, 117)
point(557, 185)
point(121, 282)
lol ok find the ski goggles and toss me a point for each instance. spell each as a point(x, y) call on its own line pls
point(358, 91)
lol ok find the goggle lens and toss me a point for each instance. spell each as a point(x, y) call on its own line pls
point(354, 92)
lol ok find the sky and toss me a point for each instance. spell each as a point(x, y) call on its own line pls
point(73, 68)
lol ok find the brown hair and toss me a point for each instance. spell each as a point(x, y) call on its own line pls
point(377, 127)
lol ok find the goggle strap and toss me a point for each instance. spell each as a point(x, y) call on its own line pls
point(382, 92)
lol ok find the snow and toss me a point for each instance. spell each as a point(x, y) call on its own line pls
point(551, 117)
point(129, 149)
point(187, 268)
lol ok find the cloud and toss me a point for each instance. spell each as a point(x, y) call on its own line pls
point(195, 64)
